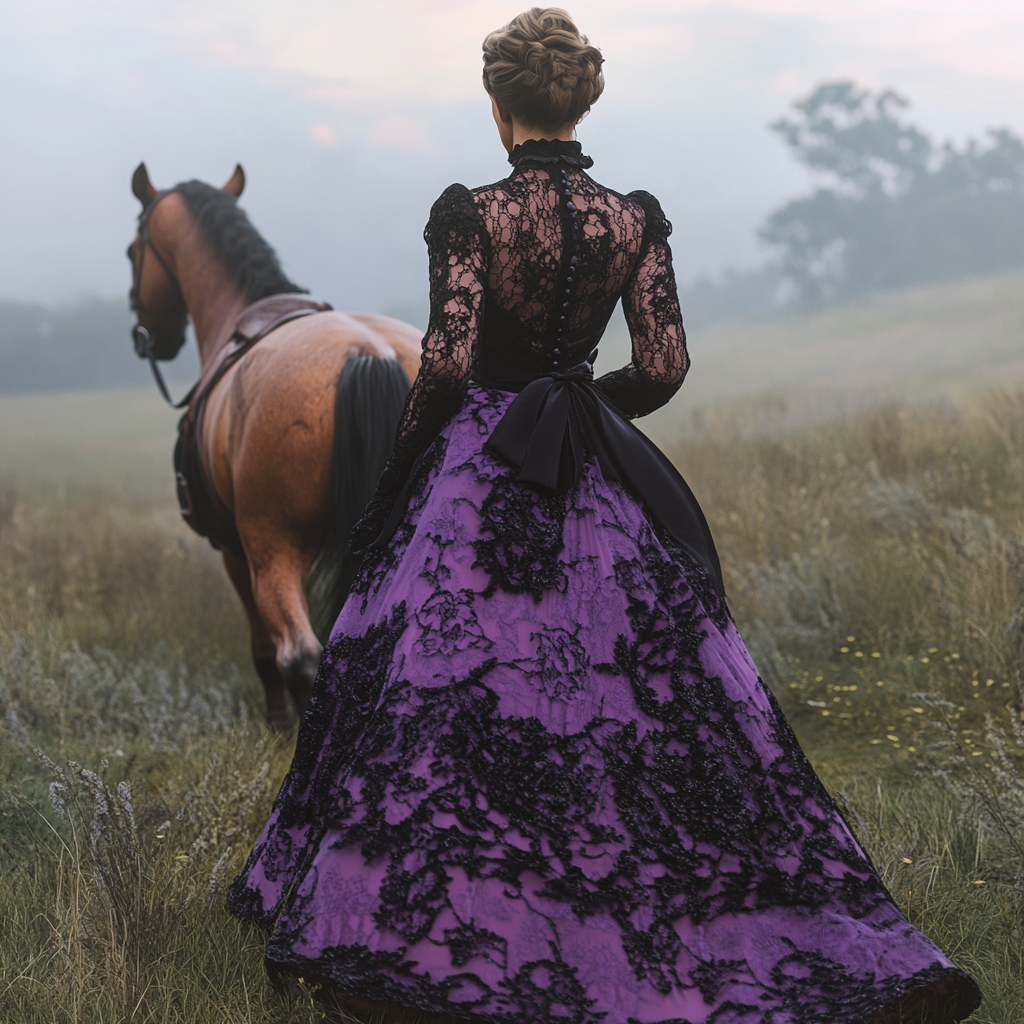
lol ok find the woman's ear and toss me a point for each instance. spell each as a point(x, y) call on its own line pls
point(503, 119)
point(501, 113)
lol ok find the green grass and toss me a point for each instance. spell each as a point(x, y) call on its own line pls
point(885, 548)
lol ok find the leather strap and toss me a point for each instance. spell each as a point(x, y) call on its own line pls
point(200, 505)
point(255, 323)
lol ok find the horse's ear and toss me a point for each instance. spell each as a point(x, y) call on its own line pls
point(236, 182)
point(142, 187)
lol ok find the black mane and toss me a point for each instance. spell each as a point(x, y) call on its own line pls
point(253, 262)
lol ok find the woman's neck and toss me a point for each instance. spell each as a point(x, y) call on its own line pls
point(521, 133)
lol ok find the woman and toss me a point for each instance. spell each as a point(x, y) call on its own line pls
point(539, 778)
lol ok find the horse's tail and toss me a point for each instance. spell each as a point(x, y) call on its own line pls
point(368, 405)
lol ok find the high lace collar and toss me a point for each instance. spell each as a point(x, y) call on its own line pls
point(549, 152)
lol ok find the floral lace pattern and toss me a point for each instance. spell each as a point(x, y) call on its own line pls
point(503, 250)
point(540, 780)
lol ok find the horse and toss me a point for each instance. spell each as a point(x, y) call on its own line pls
point(293, 436)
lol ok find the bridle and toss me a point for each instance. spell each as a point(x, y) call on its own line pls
point(141, 337)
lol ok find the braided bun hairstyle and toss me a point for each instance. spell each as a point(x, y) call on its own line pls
point(542, 70)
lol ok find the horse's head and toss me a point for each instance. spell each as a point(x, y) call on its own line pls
point(156, 297)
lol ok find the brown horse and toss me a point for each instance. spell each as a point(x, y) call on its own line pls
point(273, 450)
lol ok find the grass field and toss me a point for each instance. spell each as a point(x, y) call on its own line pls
point(875, 564)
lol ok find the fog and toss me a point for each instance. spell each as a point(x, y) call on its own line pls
point(350, 118)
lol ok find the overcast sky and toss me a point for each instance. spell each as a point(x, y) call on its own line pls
point(350, 117)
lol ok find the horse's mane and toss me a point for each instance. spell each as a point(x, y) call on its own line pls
point(255, 265)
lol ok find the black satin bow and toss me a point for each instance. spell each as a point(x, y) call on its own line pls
point(541, 436)
point(540, 432)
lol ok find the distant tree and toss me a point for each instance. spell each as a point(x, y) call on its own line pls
point(894, 210)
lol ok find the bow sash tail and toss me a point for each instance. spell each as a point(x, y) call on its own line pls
point(540, 436)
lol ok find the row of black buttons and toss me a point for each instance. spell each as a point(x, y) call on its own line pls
point(571, 207)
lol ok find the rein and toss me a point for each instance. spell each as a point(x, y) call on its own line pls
point(141, 338)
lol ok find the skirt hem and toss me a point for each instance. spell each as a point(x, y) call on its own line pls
point(947, 991)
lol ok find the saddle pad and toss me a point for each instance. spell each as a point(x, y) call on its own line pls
point(260, 318)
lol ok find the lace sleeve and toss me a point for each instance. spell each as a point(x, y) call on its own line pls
point(458, 247)
point(651, 306)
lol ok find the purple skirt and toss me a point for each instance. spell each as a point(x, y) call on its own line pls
point(539, 780)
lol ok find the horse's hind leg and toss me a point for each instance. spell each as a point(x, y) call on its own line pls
point(264, 652)
point(281, 602)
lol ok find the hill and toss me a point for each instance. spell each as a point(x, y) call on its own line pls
point(765, 374)
point(918, 345)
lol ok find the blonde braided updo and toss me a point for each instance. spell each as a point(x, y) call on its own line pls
point(542, 70)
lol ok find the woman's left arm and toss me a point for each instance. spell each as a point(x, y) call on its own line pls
point(650, 303)
point(457, 244)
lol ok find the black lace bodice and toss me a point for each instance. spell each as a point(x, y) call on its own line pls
point(536, 263)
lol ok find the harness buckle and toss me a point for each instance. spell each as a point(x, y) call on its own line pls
point(184, 495)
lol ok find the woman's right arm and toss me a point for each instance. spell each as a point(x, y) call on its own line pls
point(650, 303)
point(457, 248)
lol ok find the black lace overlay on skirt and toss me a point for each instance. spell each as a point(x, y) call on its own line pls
point(529, 806)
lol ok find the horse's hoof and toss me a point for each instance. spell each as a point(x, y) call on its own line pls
point(279, 719)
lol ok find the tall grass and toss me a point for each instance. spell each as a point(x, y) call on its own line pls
point(875, 558)
point(135, 772)
point(875, 567)
point(119, 835)
point(119, 573)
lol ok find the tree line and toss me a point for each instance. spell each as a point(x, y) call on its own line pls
point(892, 209)
point(895, 209)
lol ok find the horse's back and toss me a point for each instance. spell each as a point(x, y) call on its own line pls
point(268, 433)
point(330, 339)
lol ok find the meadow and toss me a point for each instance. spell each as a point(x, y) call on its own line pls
point(874, 559)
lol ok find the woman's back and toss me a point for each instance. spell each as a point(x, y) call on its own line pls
point(531, 241)
point(526, 272)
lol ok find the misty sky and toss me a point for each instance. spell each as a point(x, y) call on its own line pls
point(350, 118)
